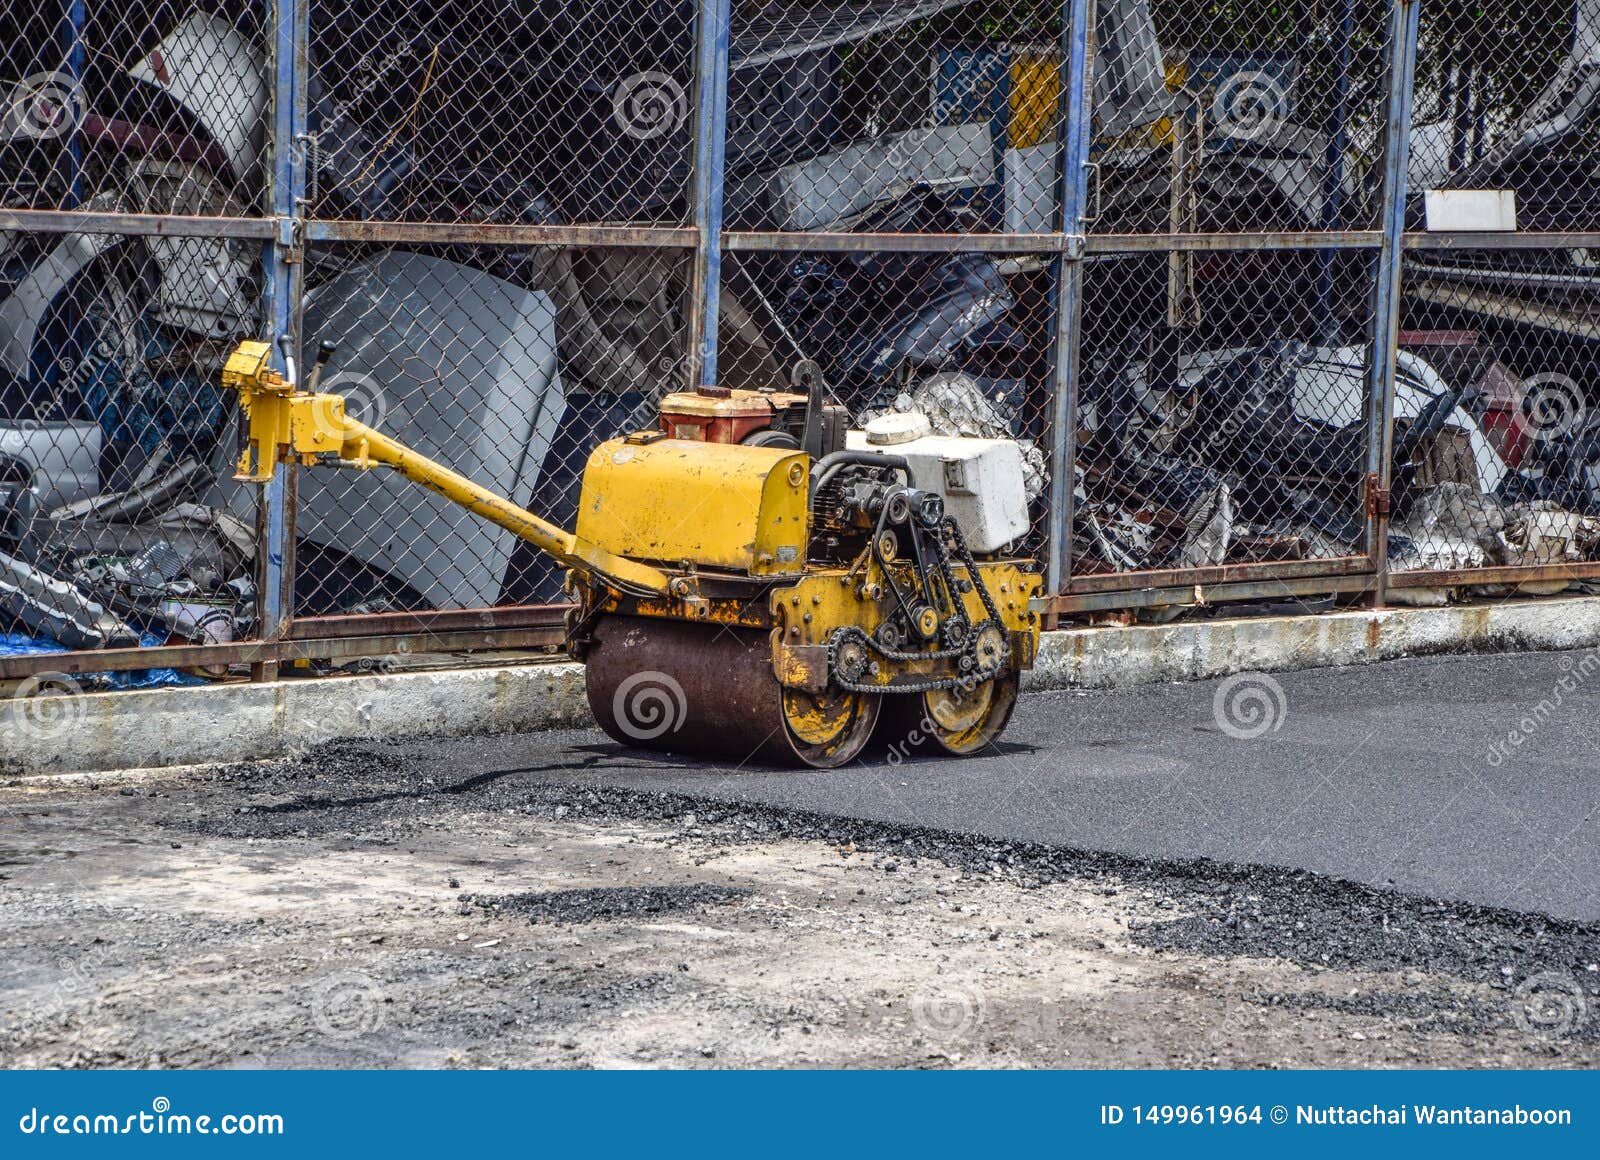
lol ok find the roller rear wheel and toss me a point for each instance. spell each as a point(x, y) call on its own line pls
point(954, 721)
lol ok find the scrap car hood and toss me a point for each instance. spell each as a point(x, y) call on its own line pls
point(219, 76)
point(1330, 386)
point(459, 365)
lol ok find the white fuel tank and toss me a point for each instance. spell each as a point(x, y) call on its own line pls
point(980, 479)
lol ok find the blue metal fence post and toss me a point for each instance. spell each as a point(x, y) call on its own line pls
point(711, 131)
point(73, 52)
point(1333, 166)
point(1076, 122)
point(1403, 32)
point(287, 22)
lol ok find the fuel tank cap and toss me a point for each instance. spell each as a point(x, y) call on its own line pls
point(897, 427)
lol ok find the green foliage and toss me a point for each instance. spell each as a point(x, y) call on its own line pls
point(1514, 46)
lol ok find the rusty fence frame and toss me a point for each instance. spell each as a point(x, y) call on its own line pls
point(284, 228)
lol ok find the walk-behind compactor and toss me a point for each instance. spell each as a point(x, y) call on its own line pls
point(751, 579)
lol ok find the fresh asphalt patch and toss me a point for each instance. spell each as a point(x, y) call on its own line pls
point(571, 907)
point(1474, 779)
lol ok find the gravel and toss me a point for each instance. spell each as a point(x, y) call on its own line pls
point(571, 907)
point(1219, 908)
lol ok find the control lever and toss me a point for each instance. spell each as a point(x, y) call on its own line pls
point(325, 350)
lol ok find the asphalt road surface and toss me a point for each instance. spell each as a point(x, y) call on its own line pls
point(1469, 778)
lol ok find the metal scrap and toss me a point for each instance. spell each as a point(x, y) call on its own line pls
point(955, 404)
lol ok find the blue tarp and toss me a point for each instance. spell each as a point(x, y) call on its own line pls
point(17, 644)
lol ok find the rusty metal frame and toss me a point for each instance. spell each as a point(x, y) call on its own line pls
point(1383, 353)
point(470, 233)
point(66, 221)
point(543, 626)
point(45, 221)
point(1494, 574)
point(420, 624)
point(1265, 573)
point(122, 660)
point(1198, 594)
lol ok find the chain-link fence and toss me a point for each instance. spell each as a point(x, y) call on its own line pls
point(1505, 137)
point(134, 142)
point(1279, 301)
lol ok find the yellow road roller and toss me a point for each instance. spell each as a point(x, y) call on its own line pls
point(776, 599)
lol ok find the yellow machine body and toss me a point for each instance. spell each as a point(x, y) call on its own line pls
point(692, 565)
point(807, 614)
point(724, 507)
point(281, 419)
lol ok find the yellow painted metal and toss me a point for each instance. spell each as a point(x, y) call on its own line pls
point(1035, 97)
point(363, 445)
point(281, 420)
point(285, 422)
point(822, 718)
point(808, 613)
point(712, 505)
point(263, 395)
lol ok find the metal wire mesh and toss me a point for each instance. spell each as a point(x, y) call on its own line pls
point(1224, 402)
point(1227, 422)
point(955, 103)
point(508, 364)
point(491, 112)
point(1239, 117)
point(1503, 138)
point(939, 118)
point(114, 431)
point(113, 427)
point(1222, 405)
point(147, 107)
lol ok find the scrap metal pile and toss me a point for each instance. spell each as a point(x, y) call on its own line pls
point(1223, 410)
point(1260, 454)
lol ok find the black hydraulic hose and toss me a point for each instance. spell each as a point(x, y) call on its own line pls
point(828, 466)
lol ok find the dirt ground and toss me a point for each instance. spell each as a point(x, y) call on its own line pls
point(347, 909)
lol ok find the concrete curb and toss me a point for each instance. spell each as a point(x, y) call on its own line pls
point(166, 727)
point(1102, 658)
